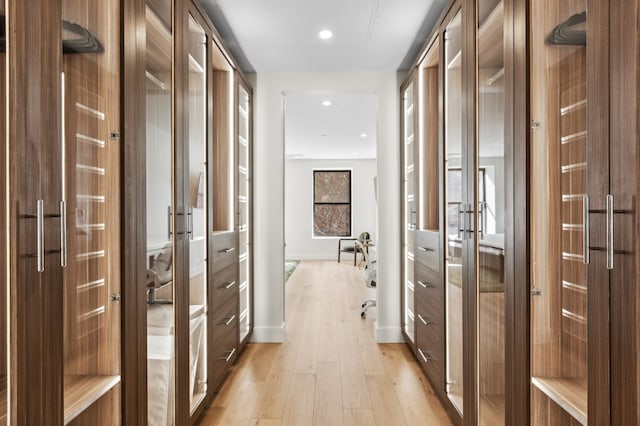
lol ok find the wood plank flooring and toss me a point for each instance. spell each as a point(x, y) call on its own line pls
point(330, 370)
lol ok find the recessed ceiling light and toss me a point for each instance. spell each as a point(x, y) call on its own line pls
point(325, 34)
point(363, 135)
point(354, 153)
point(326, 103)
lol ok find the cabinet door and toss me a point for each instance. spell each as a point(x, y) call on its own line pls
point(35, 192)
point(456, 212)
point(245, 254)
point(409, 217)
point(161, 214)
point(571, 248)
point(91, 152)
point(197, 203)
point(490, 212)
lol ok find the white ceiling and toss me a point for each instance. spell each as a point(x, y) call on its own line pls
point(314, 131)
point(282, 35)
point(368, 35)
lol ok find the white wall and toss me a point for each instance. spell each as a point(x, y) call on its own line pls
point(270, 88)
point(298, 210)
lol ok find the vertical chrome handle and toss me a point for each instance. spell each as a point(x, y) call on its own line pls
point(63, 234)
point(190, 223)
point(462, 221)
point(609, 231)
point(40, 234)
point(170, 221)
point(585, 230)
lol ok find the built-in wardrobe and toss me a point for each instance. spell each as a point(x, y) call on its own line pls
point(519, 180)
point(198, 192)
point(126, 222)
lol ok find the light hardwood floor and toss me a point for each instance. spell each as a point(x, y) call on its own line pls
point(329, 370)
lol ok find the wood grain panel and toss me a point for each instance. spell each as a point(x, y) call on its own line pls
point(4, 261)
point(517, 267)
point(35, 169)
point(222, 170)
point(598, 152)
point(428, 182)
point(624, 135)
point(134, 243)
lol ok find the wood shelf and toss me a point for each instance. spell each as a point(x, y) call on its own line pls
point(159, 44)
point(570, 394)
point(456, 62)
point(80, 392)
point(491, 39)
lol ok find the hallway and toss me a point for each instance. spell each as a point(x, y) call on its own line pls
point(329, 370)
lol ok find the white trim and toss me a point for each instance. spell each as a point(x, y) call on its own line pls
point(387, 334)
point(268, 334)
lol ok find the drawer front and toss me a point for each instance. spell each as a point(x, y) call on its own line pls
point(427, 250)
point(427, 311)
point(223, 356)
point(224, 321)
point(224, 286)
point(225, 250)
point(428, 286)
point(430, 354)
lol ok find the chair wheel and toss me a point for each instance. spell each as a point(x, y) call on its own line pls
point(363, 314)
point(364, 304)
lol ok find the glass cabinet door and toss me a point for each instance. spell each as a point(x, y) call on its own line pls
point(91, 155)
point(409, 209)
point(244, 211)
point(560, 173)
point(198, 213)
point(160, 214)
point(455, 211)
point(490, 212)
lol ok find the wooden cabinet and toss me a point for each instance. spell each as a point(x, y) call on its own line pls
point(244, 205)
point(538, 175)
point(63, 204)
point(423, 255)
point(583, 322)
point(194, 252)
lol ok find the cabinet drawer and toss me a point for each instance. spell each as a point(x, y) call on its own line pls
point(429, 316)
point(223, 356)
point(224, 286)
point(429, 352)
point(224, 321)
point(428, 284)
point(427, 250)
point(225, 250)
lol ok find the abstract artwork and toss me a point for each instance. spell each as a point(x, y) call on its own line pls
point(332, 203)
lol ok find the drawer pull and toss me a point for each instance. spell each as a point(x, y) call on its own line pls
point(228, 356)
point(228, 320)
point(425, 285)
point(425, 249)
point(228, 285)
point(424, 321)
point(426, 357)
point(227, 250)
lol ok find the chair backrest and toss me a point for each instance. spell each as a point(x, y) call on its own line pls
point(370, 269)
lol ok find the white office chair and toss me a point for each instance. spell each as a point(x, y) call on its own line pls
point(370, 277)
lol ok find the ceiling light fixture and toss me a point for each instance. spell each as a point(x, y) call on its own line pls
point(325, 34)
point(326, 103)
point(363, 135)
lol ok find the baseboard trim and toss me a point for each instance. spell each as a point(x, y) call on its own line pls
point(387, 334)
point(268, 334)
